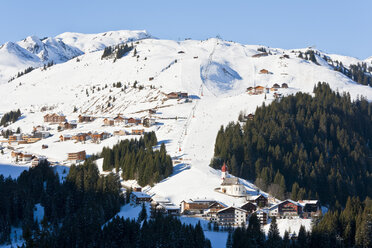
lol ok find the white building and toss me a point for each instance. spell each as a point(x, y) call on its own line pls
point(233, 187)
point(232, 216)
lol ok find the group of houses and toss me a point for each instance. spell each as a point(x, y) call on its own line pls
point(120, 120)
point(158, 204)
point(21, 138)
point(257, 90)
point(224, 215)
point(19, 156)
point(254, 203)
point(95, 137)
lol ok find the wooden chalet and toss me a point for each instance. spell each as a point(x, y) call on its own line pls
point(66, 125)
point(108, 122)
point(81, 137)
point(15, 155)
point(264, 71)
point(250, 117)
point(259, 89)
point(120, 133)
point(39, 129)
point(138, 131)
point(276, 86)
point(134, 121)
point(284, 86)
point(76, 156)
point(148, 122)
point(211, 211)
point(21, 156)
point(172, 95)
point(54, 118)
point(83, 118)
point(15, 138)
point(40, 135)
point(139, 197)
point(25, 157)
point(119, 120)
point(259, 200)
point(285, 208)
point(249, 207)
point(177, 95)
point(310, 206)
point(197, 206)
point(96, 137)
point(65, 137)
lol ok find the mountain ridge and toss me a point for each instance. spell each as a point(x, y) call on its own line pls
point(58, 49)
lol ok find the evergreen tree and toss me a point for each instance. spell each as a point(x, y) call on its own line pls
point(273, 237)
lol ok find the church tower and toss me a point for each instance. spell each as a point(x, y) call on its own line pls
point(224, 171)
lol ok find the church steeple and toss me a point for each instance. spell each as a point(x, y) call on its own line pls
point(224, 171)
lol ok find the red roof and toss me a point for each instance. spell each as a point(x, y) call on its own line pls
point(224, 168)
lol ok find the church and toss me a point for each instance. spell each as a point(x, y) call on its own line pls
point(231, 185)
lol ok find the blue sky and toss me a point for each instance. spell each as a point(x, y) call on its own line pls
point(343, 27)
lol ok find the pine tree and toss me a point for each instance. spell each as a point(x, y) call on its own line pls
point(143, 214)
point(302, 239)
point(286, 240)
point(273, 237)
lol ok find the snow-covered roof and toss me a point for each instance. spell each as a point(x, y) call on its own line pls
point(169, 206)
point(230, 181)
point(224, 209)
point(304, 202)
point(287, 200)
point(199, 200)
point(141, 195)
point(160, 199)
point(253, 197)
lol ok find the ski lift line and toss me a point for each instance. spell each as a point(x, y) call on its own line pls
point(192, 112)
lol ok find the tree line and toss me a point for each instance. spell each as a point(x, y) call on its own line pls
point(159, 231)
point(10, 117)
point(117, 51)
point(316, 147)
point(138, 160)
point(74, 210)
point(21, 73)
point(77, 212)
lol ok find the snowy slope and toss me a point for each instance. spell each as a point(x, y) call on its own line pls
point(368, 60)
point(35, 52)
point(93, 42)
point(215, 74)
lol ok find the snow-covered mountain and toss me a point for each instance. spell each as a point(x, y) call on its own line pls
point(368, 60)
point(35, 52)
point(215, 74)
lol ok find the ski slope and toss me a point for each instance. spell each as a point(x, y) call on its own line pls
point(215, 74)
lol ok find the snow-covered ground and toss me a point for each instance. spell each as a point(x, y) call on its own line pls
point(213, 72)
